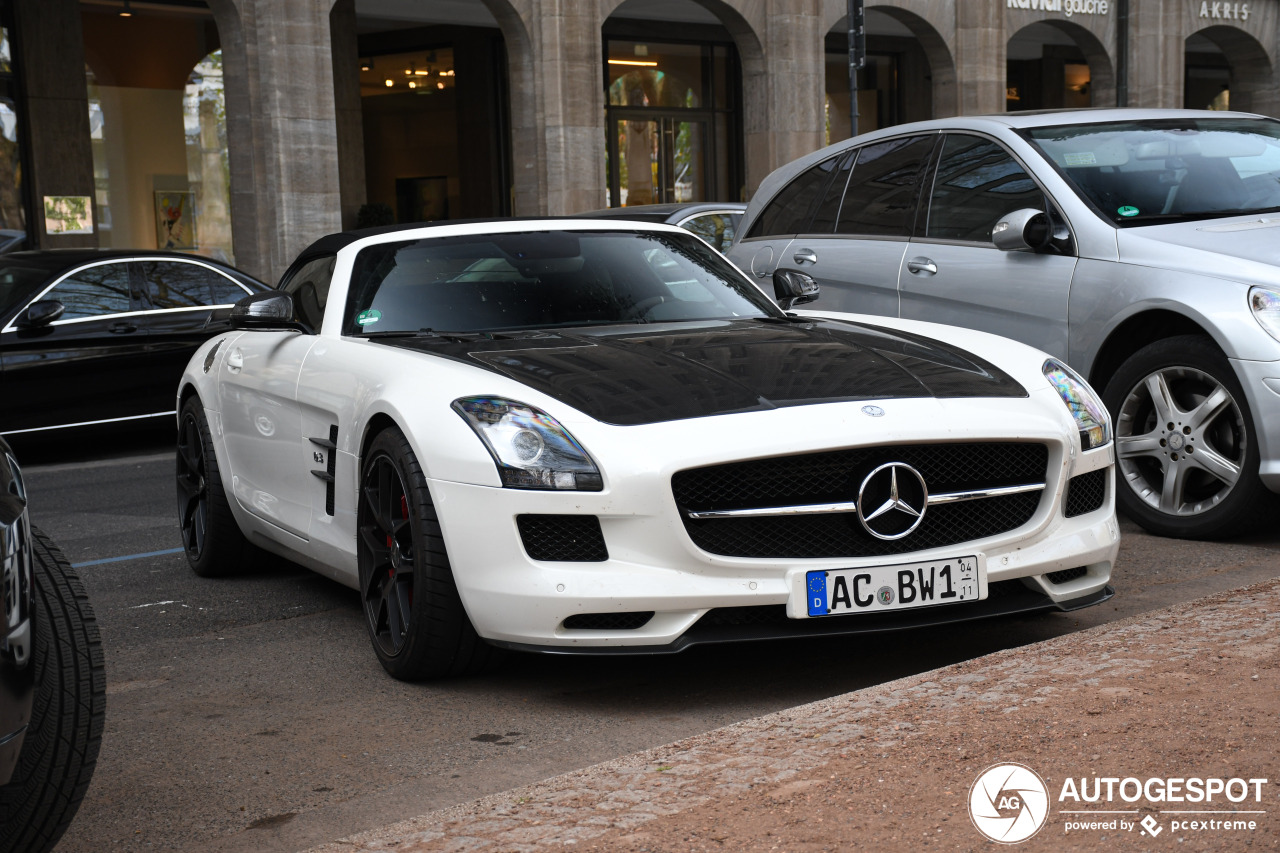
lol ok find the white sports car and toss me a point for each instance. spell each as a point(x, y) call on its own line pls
point(587, 436)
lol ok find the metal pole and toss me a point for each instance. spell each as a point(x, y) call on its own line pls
point(1122, 53)
point(857, 57)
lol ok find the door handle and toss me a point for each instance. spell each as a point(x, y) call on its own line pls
point(122, 328)
point(804, 256)
point(922, 266)
point(235, 360)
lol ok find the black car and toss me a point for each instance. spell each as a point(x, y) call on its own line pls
point(52, 680)
point(91, 336)
point(715, 222)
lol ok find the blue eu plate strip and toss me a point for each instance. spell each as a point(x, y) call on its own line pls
point(817, 593)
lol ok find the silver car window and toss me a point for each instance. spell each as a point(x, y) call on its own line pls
point(880, 200)
point(976, 184)
point(1138, 172)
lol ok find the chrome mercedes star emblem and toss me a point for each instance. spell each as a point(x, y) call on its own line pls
point(892, 501)
point(873, 411)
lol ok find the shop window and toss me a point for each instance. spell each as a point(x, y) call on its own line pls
point(12, 213)
point(204, 114)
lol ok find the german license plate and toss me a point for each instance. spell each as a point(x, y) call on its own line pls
point(879, 588)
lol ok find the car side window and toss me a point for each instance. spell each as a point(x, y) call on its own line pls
point(791, 209)
point(309, 287)
point(881, 198)
point(716, 228)
point(824, 219)
point(978, 182)
point(173, 284)
point(94, 292)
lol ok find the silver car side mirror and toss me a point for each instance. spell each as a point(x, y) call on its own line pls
point(1027, 228)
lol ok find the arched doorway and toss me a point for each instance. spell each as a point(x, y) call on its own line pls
point(1226, 68)
point(1055, 65)
point(673, 127)
point(909, 76)
point(434, 108)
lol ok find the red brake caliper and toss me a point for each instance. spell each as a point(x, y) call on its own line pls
point(404, 509)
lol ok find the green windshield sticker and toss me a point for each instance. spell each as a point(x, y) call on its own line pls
point(1128, 210)
point(368, 318)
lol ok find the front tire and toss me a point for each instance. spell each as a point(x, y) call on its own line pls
point(211, 539)
point(412, 609)
point(60, 750)
point(1186, 448)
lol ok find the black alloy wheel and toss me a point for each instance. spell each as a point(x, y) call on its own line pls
point(415, 617)
point(211, 538)
point(1186, 452)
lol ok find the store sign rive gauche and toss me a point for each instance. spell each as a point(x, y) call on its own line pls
point(1224, 11)
point(1065, 7)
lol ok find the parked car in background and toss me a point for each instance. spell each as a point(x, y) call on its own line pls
point(1139, 245)
point(715, 222)
point(92, 337)
point(598, 436)
point(52, 679)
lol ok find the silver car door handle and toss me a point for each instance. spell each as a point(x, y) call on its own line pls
point(922, 265)
point(235, 361)
point(804, 256)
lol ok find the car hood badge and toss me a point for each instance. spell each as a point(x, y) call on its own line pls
point(873, 411)
point(892, 501)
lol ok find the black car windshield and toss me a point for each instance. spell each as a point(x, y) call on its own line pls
point(18, 284)
point(543, 280)
point(1162, 170)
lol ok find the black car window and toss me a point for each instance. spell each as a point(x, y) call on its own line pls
point(824, 219)
point(309, 287)
point(791, 209)
point(93, 292)
point(174, 284)
point(977, 183)
point(880, 200)
point(226, 291)
point(18, 284)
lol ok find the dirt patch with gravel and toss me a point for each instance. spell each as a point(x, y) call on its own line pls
point(1188, 692)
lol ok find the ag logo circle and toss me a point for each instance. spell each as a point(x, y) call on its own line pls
point(1008, 803)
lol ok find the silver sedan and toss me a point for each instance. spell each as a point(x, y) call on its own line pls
point(1140, 245)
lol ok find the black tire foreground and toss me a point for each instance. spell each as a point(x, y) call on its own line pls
point(60, 750)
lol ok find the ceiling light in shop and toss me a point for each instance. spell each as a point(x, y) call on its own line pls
point(126, 12)
point(390, 82)
point(633, 62)
point(413, 84)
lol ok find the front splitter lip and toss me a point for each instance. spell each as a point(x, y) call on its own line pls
point(1021, 602)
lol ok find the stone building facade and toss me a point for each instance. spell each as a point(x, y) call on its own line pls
point(542, 94)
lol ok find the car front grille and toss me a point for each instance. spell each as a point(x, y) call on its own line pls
point(835, 477)
point(562, 538)
point(1085, 493)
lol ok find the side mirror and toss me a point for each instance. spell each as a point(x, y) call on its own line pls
point(40, 313)
point(1027, 228)
point(270, 310)
point(792, 288)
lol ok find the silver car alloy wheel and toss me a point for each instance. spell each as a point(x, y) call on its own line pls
point(1180, 441)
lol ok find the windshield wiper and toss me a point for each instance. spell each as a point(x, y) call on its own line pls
point(425, 333)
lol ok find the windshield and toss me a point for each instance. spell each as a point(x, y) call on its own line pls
point(18, 284)
point(1139, 172)
point(541, 280)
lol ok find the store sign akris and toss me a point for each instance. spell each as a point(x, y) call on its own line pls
point(1065, 7)
point(1224, 11)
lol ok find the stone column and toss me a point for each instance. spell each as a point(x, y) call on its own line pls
point(980, 49)
point(783, 87)
point(1156, 46)
point(60, 155)
point(557, 108)
point(281, 128)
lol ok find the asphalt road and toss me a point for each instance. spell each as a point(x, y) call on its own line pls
point(249, 714)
